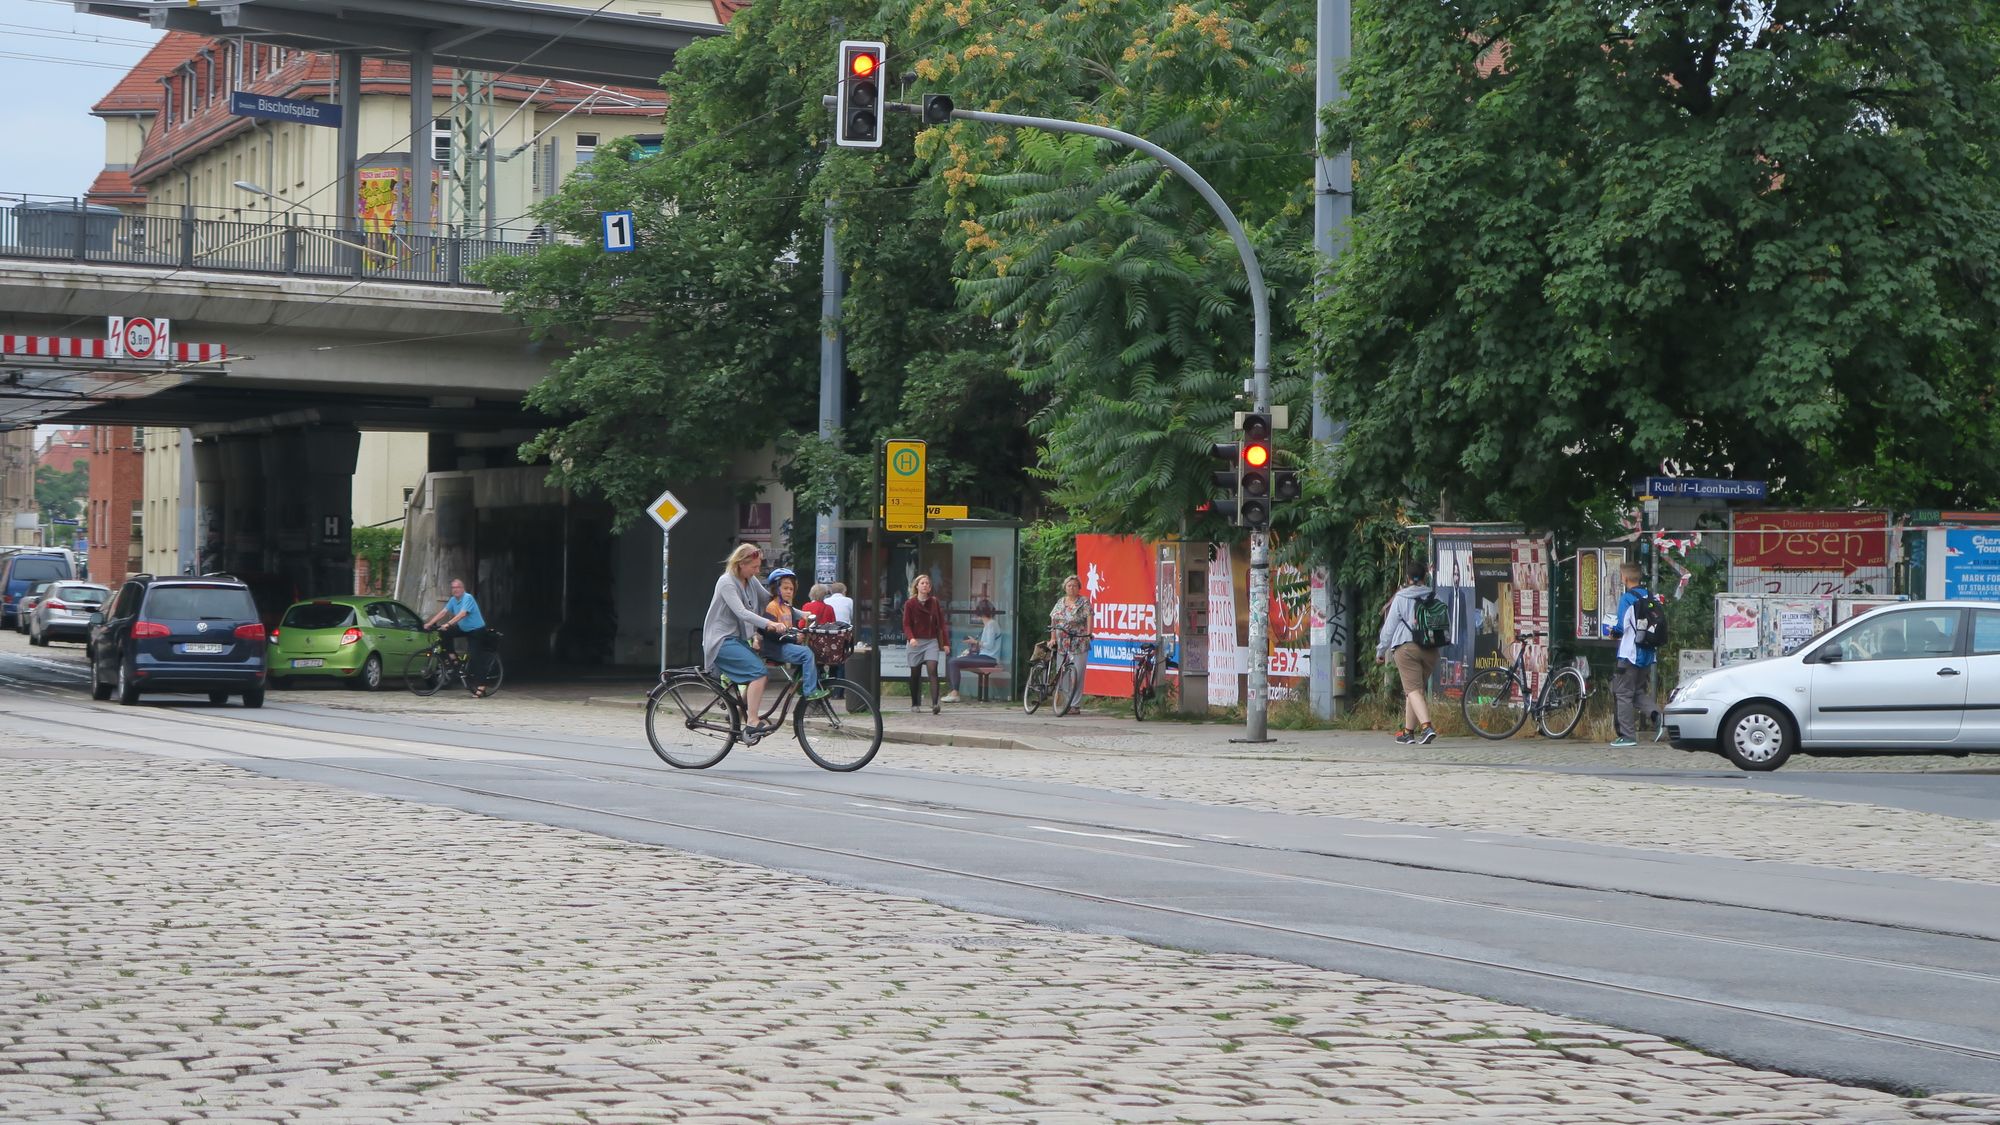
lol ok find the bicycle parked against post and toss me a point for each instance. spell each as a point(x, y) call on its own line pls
point(1052, 673)
point(1497, 701)
point(441, 664)
point(1145, 676)
point(841, 731)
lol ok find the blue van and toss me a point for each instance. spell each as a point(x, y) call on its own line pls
point(20, 573)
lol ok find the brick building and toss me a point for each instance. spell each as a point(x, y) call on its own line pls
point(114, 518)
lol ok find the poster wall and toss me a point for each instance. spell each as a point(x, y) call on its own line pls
point(1117, 572)
point(1225, 673)
point(1496, 588)
point(1753, 627)
point(1589, 573)
point(1972, 564)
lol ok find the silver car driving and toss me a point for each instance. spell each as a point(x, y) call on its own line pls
point(64, 612)
point(1922, 677)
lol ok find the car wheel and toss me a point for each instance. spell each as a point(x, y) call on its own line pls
point(370, 678)
point(99, 690)
point(254, 697)
point(128, 692)
point(218, 697)
point(35, 638)
point(1757, 737)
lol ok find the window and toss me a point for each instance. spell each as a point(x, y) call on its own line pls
point(586, 148)
point(138, 437)
point(193, 603)
point(1902, 636)
point(138, 522)
point(441, 140)
point(1985, 632)
point(318, 615)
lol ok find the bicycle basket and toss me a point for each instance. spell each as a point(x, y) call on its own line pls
point(830, 643)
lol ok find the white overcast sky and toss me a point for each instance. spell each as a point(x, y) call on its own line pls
point(54, 64)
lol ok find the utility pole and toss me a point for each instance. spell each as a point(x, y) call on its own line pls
point(832, 361)
point(1333, 201)
point(1256, 709)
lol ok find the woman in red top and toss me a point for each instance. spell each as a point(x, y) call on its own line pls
point(928, 638)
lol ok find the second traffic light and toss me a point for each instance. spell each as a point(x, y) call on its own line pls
point(859, 106)
point(1253, 488)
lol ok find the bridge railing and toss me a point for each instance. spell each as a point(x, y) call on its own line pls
point(271, 242)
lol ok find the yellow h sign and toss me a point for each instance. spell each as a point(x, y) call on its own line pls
point(903, 475)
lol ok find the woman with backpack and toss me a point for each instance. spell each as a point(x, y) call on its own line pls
point(1414, 627)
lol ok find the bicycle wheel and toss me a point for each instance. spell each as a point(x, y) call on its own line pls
point(1142, 679)
point(1036, 691)
point(1494, 704)
point(491, 672)
point(1066, 687)
point(690, 708)
point(838, 736)
point(1562, 704)
point(422, 675)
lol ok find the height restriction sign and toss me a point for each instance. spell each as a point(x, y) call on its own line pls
point(138, 337)
point(903, 485)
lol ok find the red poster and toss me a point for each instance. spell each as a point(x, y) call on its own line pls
point(1836, 542)
point(1117, 576)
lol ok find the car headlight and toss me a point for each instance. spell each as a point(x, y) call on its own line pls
point(1693, 689)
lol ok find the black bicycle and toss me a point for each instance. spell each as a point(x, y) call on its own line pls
point(1497, 701)
point(440, 664)
point(840, 731)
point(1052, 674)
point(1145, 678)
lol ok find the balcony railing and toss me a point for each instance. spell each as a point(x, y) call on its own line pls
point(289, 244)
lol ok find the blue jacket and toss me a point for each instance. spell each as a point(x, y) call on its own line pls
point(1627, 650)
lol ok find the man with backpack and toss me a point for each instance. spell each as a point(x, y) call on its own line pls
point(1642, 626)
point(1416, 624)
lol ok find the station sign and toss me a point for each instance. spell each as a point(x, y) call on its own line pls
point(903, 480)
point(243, 103)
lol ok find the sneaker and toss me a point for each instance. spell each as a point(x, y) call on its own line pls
point(1427, 736)
point(1621, 743)
point(952, 698)
point(1404, 737)
point(821, 693)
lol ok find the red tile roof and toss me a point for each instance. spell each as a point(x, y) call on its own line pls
point(113, 188)
point(139, 90)
point(725, 10)
point(312, 76)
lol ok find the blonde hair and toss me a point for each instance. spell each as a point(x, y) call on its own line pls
point(1630, 572)
point(818, 591)
point(840, 587)
point(922, 578)
point(736, 557)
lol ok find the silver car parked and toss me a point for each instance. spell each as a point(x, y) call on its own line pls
point(1923, 677)
point(64, 612)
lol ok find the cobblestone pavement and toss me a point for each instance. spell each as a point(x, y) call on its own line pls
point(182, 941)
point(1702, 820)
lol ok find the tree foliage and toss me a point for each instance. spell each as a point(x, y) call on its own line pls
point(704, 342)
point(1756, 238)
point(60, 494)
point(1126, 302)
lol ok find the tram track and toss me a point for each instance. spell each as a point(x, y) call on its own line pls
point(1515, 969)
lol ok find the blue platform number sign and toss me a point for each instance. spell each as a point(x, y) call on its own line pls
point(619, 233)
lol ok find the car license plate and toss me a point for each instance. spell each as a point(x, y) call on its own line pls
point(202, 650)
point(308, 663)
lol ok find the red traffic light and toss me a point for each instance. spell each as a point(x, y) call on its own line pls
point(1256, 455)
point(861, 64)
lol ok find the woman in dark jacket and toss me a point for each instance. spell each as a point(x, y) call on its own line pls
point(928, 638)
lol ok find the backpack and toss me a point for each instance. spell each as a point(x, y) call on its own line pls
point(1649, 623)
point(1430, 622)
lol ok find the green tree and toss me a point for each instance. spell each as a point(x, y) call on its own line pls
point(1758, 238)
point(704, 342)
point(60, 494)
point(1127, 305)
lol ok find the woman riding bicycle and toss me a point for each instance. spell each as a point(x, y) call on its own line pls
point(731, 627)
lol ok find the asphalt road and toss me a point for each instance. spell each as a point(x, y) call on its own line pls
point(1889, 980)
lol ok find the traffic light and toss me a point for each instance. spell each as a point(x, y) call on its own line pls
point(1224, 480)
point(858, 109)
point(937, 108)
point(1285, 485)
point(1253, 488)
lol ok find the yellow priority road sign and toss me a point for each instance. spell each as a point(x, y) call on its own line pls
point(903, 480)
point(666, 510)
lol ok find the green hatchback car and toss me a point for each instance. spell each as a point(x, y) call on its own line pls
point(358, 640)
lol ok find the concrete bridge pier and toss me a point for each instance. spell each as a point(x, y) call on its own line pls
point(242, 488)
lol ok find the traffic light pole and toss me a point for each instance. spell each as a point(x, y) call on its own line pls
point(1256, 708)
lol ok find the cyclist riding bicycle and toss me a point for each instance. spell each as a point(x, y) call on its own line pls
point(730, 630)
point(462, 618)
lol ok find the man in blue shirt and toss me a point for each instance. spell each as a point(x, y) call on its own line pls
point(1631, 681)
point(462, 618)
